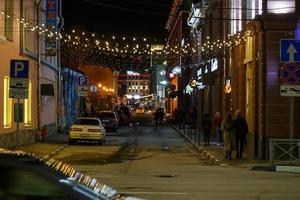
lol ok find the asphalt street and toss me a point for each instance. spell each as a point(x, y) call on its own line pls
point(158, 163)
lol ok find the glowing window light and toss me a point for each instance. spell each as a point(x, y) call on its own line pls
point(7, 105)
point(27, 107)
point(281, 7)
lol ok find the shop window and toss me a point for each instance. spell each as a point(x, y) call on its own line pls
point(28, 107)
point(7, 105)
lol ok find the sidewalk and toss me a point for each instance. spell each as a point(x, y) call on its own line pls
point(216, 155)
point(49, 146)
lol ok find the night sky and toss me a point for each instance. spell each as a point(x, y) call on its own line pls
point(118, 17)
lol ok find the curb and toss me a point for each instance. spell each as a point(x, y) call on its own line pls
point(291, 169)
point(206, 154)
point(55, 151)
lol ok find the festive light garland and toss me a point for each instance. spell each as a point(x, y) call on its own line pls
point(94, 46)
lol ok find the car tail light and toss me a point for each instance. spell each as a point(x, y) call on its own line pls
point(75, 129)
point(94, 130)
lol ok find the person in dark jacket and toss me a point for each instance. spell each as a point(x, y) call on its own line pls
point(241, 130)
point(206, 126)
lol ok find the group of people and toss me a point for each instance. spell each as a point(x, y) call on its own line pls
point(231, 131)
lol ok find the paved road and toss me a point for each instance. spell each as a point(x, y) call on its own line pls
point(157, 163)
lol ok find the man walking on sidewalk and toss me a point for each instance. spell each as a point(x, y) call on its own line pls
point(241, 130)
point(206, 126)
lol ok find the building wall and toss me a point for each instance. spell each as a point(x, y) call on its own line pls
point(10, 49)
point(20, 42)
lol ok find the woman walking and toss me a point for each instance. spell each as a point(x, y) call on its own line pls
point(229, 135)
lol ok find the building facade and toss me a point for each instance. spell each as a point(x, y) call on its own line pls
point(26, 36)
point(235, 50)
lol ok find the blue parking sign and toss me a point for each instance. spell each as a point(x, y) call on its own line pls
point(289, 50)
point(83, 81)
point(19, 69)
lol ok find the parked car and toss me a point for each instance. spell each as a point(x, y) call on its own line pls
point(26, 176)
point(87, 128)
point(109, 119)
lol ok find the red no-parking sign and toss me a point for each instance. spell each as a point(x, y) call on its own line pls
point(290, 73)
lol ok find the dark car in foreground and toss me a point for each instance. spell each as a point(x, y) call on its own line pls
point(25, 176)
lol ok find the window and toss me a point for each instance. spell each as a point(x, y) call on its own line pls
point(254, 7)
point(29, 36)
point(2, 18)
point(9, 9)
point(281, 6)
point(236, 16)
point(7, 105)
point(27, 107)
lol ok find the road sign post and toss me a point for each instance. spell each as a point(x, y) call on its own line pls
point(18, 86)
point(82, 86)
point(290, 74)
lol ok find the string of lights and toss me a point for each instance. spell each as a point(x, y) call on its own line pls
point(94, 47)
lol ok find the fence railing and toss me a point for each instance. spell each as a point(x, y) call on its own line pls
point(284, 151)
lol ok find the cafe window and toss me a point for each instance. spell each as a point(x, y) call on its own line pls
point(28, 107)
point(7, 105)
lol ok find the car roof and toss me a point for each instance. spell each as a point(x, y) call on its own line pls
point(62, 170)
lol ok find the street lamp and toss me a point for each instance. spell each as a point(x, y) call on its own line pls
point(99, 85)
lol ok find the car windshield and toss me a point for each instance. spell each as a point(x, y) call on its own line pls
point(86, 122)
point(107, 115)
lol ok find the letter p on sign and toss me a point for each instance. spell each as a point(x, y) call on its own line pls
point(19, 68)
point(83, 81)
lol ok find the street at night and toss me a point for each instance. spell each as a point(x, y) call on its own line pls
point(139, 99)
point(159, 164)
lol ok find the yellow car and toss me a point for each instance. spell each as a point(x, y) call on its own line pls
point(87, 128)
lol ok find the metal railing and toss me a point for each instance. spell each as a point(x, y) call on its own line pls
point(284, 151)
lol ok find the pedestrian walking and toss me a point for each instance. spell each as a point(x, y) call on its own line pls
point(241, 130)
point(181, 118)
point(217, 125)
point(206, 126)
point(161, 115)
point(228, 135)
point(156, 117)
point(194, 117)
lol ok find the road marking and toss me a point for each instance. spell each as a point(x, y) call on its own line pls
point(154, 193)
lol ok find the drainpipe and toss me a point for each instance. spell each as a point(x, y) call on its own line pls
point(58, 50)
point(37, 6)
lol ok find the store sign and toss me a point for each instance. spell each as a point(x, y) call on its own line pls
point(51, 25)
point(199, 74)
point(227, 88)
point(214, 65)
point(176, 70)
